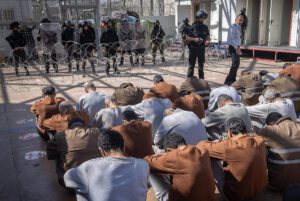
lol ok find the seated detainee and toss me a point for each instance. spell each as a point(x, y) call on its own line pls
point(244, 161)
point(162, 89)
point(190, 102)
point(196, 86)
point(251, 86)
point(111, 177)
point(227, 109)
point(137, 135)
point(282, 137)
point(46, 107)
point(72, 147)
point(182, 122)
point(189, 168)
point(215, 93)
point(91, 102)
point(127, 94)
point(59, 122)
point(267, 77)
point(274, 103)
point(49, 98)
point(292, 71)
point(111, 115)
point(152, 109)
point(288, 88)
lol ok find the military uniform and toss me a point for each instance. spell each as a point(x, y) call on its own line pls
point(251, 86)
point(87, 41)
point(17, 43)
point(157, 35)
point(110, 40)
point(197, 50)
point(67, 38)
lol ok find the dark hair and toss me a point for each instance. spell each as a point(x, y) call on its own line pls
point(125, 85)
point(272, 118)
point(172, 140)
point(129, 115)
point(235, 125)
point(110, 140)
point(76, 121)
point(158, 79)
point(224, 97)
point(14, 25)
point(263, 72)
point(45, 20)
point(48, 90)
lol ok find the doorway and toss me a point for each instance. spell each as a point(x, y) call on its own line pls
point(264, 18)
point(253, 23)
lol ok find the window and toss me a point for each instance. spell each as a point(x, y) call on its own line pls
point(8, 15)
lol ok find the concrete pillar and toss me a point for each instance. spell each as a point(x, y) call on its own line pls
point(295, 25)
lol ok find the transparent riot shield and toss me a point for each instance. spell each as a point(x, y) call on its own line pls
point(50, 34)
point(126, 33)
point(141, 37)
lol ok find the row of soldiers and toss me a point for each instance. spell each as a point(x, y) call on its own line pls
point(80, 43)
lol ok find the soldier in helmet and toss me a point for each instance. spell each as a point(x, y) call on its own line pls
point(49, 38)
point(182, 29)
point(197, 37)
point(126, 38)
point(87, 42)
point(17, 43)
point(67, 37)
point(157, 39)
point(110, 41)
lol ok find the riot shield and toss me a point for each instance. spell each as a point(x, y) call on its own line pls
point(141, 37)
point(50, 34)
point(126, 33)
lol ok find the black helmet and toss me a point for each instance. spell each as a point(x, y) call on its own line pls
point(14, 25)
point(201, 14)
point(86, 23)
point(186, 20)
point(105, 19)
point(46, 20)
point(69, 23)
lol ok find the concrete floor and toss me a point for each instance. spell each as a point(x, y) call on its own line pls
point(32, 180)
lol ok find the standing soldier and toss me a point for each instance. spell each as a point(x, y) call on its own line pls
point(17, 43)
point(157, 35)
point(126, 37)
point(140, 48)
point(182, 29)
point(198, 38)
point(244, 25)
point(49, 38)
point(87, 42)
point(30, 42)
point(110, 41)
point(67, 37)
